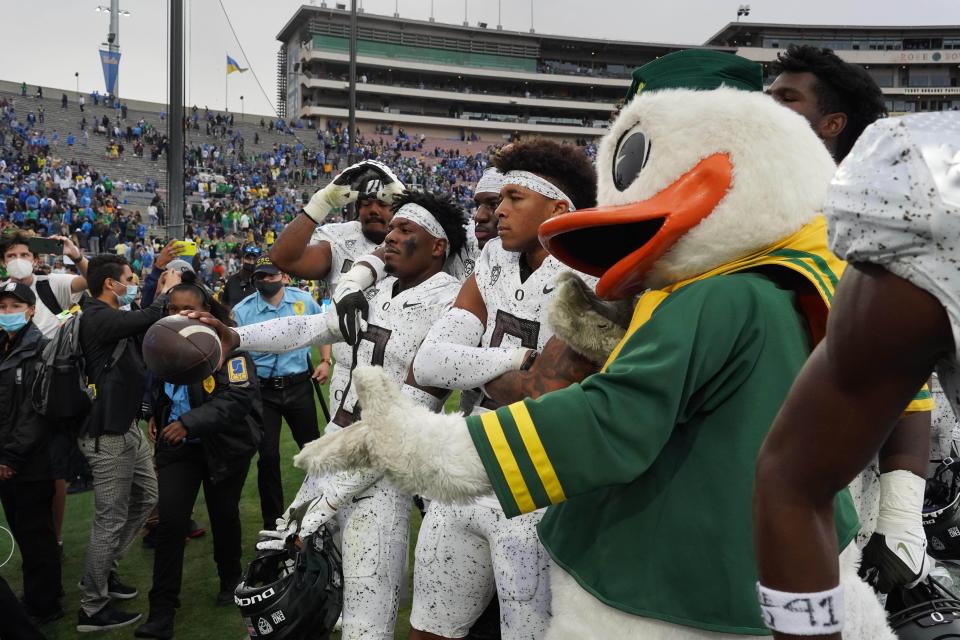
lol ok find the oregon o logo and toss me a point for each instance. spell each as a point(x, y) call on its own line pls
point(518, 294)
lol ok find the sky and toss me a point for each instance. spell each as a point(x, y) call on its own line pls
point(48, 41)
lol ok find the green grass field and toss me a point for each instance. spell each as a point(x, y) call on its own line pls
point(198, 617)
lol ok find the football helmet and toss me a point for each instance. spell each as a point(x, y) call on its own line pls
point(941, 519)
point(294, 593)
point(929, 611)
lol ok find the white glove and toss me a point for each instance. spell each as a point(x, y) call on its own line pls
point(340, 192)
point(314, 515)
point(420, 451)
point(896, 554)
point(287, 523)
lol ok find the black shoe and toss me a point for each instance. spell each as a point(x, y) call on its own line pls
point(119, 591)
point(105, 619)
point(44, 618)
point(158, 626)
point(225, 597)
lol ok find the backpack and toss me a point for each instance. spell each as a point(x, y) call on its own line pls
point(62, 390)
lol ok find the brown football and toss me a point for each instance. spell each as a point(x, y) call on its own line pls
point(180, 350)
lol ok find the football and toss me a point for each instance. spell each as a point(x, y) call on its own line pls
point(180, 350)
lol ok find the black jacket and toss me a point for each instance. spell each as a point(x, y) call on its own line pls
point(236, 288)
point(24, 434)
point(225, 416)
point(119, 390)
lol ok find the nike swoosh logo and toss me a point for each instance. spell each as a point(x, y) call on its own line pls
point(356, 499)
point(548, 289)
point(407, 305)
point(902, 546)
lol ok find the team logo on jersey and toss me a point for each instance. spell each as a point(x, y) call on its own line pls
point(209, 384)
point(468, 267)
point(370, 294)
point(494, 275)
point(298, 307)
point(350, 244)
point(238, 370)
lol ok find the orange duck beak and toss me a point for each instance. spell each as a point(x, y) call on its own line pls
point(620, 243)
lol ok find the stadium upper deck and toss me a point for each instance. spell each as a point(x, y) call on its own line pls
point(463, 81)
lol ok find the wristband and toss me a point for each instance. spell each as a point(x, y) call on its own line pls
point(375, 264)
point(802, 614)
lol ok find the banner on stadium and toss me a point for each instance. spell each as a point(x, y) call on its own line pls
point(111, 65)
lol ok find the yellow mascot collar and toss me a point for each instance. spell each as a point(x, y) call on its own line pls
point(805, 252)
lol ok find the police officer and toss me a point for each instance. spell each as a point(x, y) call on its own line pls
point(284, 380)
point(240, 285)
point(206, 433)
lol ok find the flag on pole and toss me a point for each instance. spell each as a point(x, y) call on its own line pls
point(233, 66)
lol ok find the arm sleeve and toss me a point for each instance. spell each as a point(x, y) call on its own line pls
point(115, 325)
point(423, 397)
point(343, 485)
point(150, 286)
point(623, 416)
point(449, 357)
point(290, 333)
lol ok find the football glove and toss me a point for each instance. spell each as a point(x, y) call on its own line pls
point(348, 299)
point(340, 192)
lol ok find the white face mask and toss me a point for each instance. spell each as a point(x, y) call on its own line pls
point(19, 268)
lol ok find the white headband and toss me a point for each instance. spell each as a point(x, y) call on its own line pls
point(490, 181)
point(415, 213)
point(535, 183)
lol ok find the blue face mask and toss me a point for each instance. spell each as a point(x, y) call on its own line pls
point(13, 322)
point(129, 296)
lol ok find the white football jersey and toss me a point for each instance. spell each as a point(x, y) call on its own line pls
point(347, 243)
point(461, 265)
point(396, 327)
point(517, 310)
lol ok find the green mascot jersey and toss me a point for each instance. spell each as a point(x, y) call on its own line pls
point(647, 467)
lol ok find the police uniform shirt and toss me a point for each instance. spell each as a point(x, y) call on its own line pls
point(254, 309)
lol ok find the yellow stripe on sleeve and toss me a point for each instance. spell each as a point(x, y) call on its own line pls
point(537, 453)
point(508, 463)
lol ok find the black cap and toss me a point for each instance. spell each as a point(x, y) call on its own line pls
point(264, 265)
point(19, 291)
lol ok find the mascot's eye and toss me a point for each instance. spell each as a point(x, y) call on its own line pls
point(633, 151)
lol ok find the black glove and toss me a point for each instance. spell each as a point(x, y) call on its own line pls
point(352, 312)
point(883, 569)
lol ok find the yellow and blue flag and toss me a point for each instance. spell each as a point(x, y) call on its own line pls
point(232, 66)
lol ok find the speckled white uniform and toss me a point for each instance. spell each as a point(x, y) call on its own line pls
point(374, 517)
point(895, 202)
point(466, 553)
point(461, 265)
point(396, 326)
point(347, 243)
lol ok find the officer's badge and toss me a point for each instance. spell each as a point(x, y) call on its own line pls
point(209, 384)
point(298, 307)
point(237, 370)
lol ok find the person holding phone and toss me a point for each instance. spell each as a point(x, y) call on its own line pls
point(55, 293)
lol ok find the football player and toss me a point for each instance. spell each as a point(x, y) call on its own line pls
point(496, 329)
point(893, 207)
point(371, 513)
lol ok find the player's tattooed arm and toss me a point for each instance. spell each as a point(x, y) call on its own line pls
point(558, 366)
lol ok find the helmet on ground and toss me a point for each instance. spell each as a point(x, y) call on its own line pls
point(941, 511)
point(294, 594)
point(927, 612)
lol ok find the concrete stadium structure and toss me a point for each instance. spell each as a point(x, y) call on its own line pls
point(458, 81)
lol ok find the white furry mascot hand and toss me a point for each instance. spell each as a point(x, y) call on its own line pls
point(591, 326)
point(422, 452)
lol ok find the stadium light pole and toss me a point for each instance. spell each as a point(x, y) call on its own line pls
point(352, 119)
point(175, 124)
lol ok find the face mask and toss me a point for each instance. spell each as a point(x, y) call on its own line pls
point(13, 322)
point(247, 268)
point(129, 296)
point(19, 268)
point(268, 289)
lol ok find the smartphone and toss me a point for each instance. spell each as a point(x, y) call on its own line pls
point(188, 248)
point(41, 246)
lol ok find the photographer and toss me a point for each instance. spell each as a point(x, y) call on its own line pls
point(206, 434)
